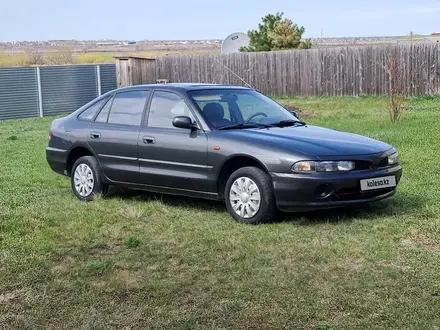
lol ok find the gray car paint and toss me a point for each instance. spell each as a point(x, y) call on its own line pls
point(184, 161)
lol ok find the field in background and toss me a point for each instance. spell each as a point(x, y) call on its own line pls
point(137, 260)
point(103, 51)
point(21, 57)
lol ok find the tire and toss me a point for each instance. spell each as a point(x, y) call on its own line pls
point(86, 186)
point(247, 212)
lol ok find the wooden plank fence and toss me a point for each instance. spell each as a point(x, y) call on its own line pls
point(343, 71)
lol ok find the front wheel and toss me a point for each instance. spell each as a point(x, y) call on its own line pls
point(249, 196)
point(86, 179)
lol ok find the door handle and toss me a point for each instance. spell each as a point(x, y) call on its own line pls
point(95, 135)
point(148, 140)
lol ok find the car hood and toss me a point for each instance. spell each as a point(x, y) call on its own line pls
point(317, 141)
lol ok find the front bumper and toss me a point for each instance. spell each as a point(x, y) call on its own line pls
point(300, 192)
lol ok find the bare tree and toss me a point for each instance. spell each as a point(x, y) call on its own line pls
point(395, 90)
point(34, 56)
point(63, 55)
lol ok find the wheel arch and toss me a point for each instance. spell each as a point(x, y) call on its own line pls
point(232, 164)
point(75, 153)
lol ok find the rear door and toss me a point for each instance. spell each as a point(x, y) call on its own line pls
point(113, 135)
point(172, 157)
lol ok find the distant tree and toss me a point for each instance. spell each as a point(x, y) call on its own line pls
point(412, 35)
point(85, 48)
point(287, 35)
point(276, 33)
point(63, 55)
point(34, 56)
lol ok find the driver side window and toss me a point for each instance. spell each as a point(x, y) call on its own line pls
point(250, 106)
point(164, 107)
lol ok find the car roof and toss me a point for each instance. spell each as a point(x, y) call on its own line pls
point(184, 86)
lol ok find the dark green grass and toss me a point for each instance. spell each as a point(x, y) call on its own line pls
point(136, 260)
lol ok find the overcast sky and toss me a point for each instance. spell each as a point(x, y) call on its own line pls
point(198, 19)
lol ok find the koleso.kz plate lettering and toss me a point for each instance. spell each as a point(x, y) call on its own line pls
point(378, 183)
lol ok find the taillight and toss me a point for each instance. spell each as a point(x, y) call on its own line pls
point(50, 135)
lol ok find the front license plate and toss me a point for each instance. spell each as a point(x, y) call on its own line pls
point(378, 183)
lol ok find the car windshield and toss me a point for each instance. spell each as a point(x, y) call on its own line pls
point(240, 108)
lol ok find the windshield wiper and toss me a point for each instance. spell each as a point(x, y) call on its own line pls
point(286, 123)
point(282, 123)
point(240, 126)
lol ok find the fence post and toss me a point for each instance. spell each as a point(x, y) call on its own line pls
point(40, 93)
point(98, 78)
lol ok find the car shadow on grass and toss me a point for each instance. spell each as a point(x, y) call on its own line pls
point(168, 200)
point(401, 204)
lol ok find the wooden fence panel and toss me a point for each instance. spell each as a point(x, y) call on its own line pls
point(343, 71)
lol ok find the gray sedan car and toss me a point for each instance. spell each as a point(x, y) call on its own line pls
point(218, 142)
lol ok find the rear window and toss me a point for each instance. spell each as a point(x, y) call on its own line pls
point(91, 111)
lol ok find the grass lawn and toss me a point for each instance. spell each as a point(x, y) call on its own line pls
point(136, 260)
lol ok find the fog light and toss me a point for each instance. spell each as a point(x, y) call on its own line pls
point(323, 191)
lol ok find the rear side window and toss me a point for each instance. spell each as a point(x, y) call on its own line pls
point(91, 111)
point(128, 107)
point(103, 115)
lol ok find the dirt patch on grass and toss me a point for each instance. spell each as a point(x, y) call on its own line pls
point(353, 264)
point(15, 298)
point(421, 242)
point(63, 267)
point(386, 263)
point(433, 247)
point(7, 297)
point(130, 280)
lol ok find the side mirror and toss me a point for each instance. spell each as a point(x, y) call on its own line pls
point(292, 110)
point(184, 122)
point(295, 113)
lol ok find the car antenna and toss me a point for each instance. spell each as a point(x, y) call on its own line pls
point(249, 85)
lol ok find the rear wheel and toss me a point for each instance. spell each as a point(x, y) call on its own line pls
point(86, 179)
point(249, 196)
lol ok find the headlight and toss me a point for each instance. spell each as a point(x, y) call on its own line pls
point(325, 166)
point(393, 159)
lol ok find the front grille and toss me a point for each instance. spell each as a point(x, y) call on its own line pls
point(368, 165)
point(383, 162)
point(362, 165)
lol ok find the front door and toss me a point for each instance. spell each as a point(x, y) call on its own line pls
point(114, 134)
point(169, 156)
